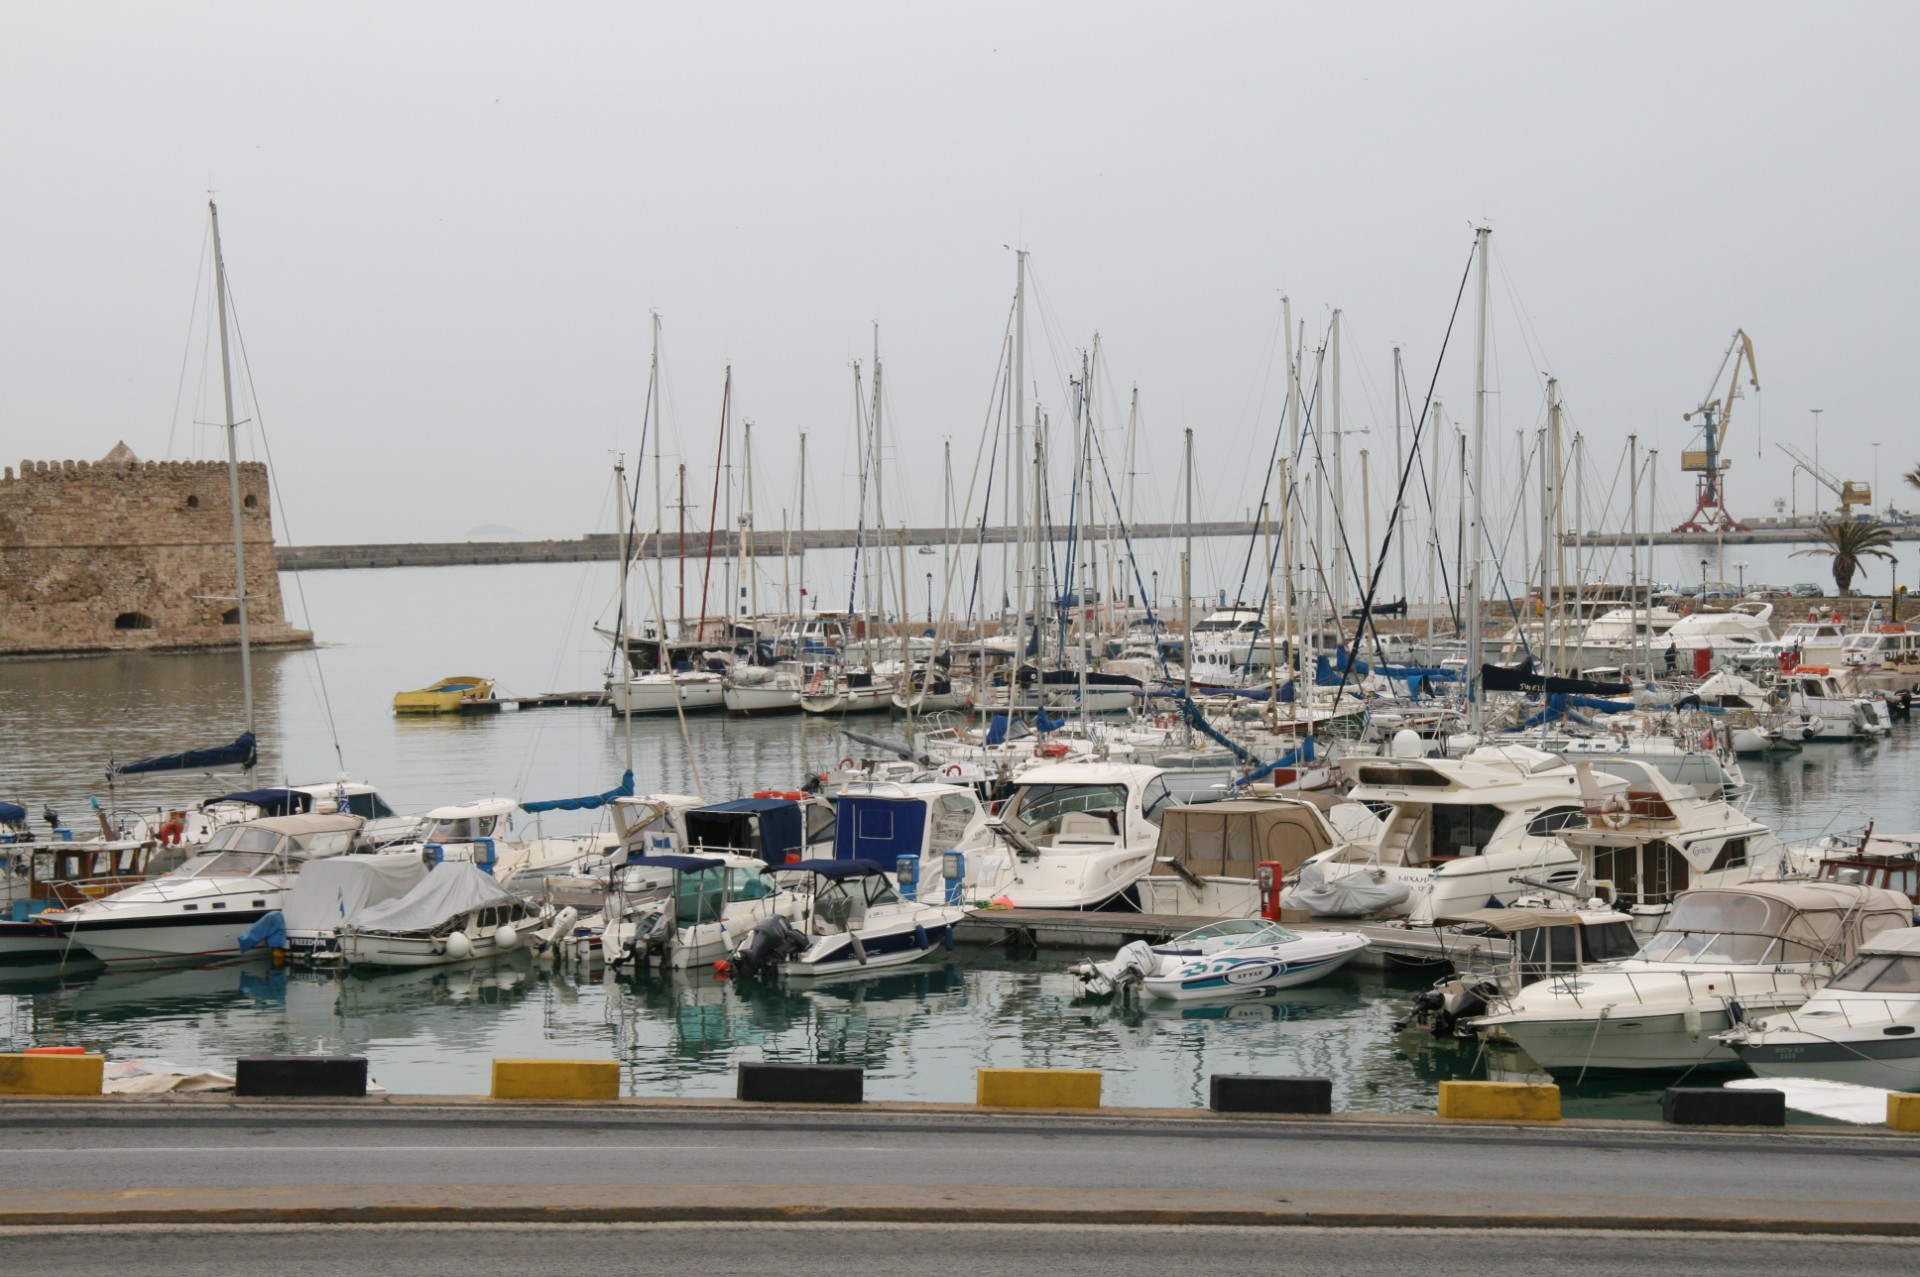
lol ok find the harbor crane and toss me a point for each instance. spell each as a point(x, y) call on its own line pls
point(1851, 494)
point(1710, 461)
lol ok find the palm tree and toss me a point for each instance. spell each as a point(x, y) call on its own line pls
point(1913, 476)
point(1847, 541)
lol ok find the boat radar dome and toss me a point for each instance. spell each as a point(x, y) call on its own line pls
point(1407, 744)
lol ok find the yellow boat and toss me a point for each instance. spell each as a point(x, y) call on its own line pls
point(448, 696)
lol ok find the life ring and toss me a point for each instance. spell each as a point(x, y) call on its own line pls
point(846, 764)
point(172, 832)
point(1615, 819)
point(953, 770)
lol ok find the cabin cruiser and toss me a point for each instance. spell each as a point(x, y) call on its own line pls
point(1724, 634)
point(846, 691)
point(1814, 641)
point(773, 827)
point(1213, 859)
point(847, 918)
point(1724, 953)
point(1642, 846)
point(1863, 1028)
point(189, 827)
point(37, 876)
point(1081, 833)
point(1884, 658)
point(929, 689)
point(456, 913)
point(680, 911)
point(330, 892)
point(197, 912)
point(1878, 860)
point(1458, 834)
point(1819, 701)
point(1496, 952)
point(1238, 958)
point(477, 833)
point(678, 676)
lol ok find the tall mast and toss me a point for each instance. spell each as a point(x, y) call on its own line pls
point(1020, 458)
point(803, 524)
point(1337, 579)
point(682, 507)
point(946, 516)
point(625, 645)
point(750, 584)
point(1549, 518)
point(1399, 474)
point(1579, 524)
point(1473, 548)
point(879, 507)
point(1289, 510)
point(233, 474)
point(1653, 517)
point(1186, 599)
point(665, 661)
point(1633, 549)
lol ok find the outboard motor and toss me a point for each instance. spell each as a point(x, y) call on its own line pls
point(772, 941)
point(649, 939)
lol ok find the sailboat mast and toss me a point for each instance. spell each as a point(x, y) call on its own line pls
point(1472, 550)
point(1020, 458)
point(803, 523)
point(233, 473)
point(665, 661)
point(1337, 579)
point(1633, 549)
point(750, 585)
point(1399, 472)
point(625, 630)
point(1186, 602)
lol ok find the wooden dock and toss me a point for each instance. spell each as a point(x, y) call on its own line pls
point(494, 704)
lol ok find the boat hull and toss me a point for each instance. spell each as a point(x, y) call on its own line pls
point(1892, 1063)
point(1233, 975)
point(167, 940)
point(656, 696)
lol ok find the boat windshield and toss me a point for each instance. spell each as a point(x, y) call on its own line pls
point(243, 838)
point(1725, 927)
point(1050, 809)
point(226, 864)
point(461, 829)
point(1239, 931)
point(1880, 973)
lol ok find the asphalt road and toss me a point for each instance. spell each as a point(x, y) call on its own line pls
point(857, 1250)
point(162, 1146)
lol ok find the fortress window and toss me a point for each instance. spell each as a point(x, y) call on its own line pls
point(230, 617)
point(193, 503)
point(133, 621)
point(251, 501)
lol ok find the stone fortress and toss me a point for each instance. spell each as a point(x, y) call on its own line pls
point(122, 555)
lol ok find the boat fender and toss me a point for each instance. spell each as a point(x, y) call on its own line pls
point(920, 937)
point(946, 938)
point(506, 938)
point(458, 946)
point(1690, 1019)
point(859, 950)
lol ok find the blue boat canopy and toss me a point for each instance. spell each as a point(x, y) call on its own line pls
point(770, 828)
point(242, 753)
point(273, 802)
point(12, 814)
point(878, 830)
point(680, 864)
point(834, 869)
point(591, 802)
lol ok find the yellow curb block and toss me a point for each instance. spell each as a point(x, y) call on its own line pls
point(1038, 1088)
point(1903, 1111)
point(556, 1080)
point(1510, 1101)
point(52, 1074)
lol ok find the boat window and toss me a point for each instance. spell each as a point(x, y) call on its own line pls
point(243, 838)
point(1733, 855)
point(1652, 874)
point(1040, 807)
point(1153, 798)
point(880, 891)
point(224, 864)
point(747, 884)
point(1554, 819)
point(332, 842)
point(1609, 941)
point(1544, 951)
point(1715, 926)
point(1403, 777)
point(698, 897)
point(1880, 973)
point(821, 819)
point(456, 829)
point(368, 806)
point(1462, 829)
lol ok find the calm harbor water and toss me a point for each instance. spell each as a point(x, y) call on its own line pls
point(919, 1034)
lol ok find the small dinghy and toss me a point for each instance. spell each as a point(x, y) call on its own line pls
point(1241, 957)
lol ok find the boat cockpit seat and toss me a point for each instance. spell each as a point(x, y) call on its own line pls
point(1086, 824)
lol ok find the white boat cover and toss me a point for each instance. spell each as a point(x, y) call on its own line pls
point(453, 888)
point(1354, 895)
point(329, 892)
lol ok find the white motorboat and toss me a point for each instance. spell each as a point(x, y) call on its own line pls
point(330, 892)
point(1817, 697)
point(196, 912)
point(1725, 953)
point(1501, 951)
point(1814, 641)
point(917, 824)
point(1458, 835)
point(1725, 634)
point(1082, 833)
point(848, 918)
point(1863, 1028)
point(457, 913)
point(478, 833)
point(1239, 958)
point(1209, 860)
point(679, 911)
point(847, 691)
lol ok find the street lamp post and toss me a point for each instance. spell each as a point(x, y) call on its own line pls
point(929, 599)
point(1156, 591)
point(1743, 578)
point(1703, 582)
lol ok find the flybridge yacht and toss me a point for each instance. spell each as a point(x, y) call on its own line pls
point(1814, 641)
point(197, 912)
point(1644, 845)
point(1081, 834)
point(1458, 835)
point(1765, 946)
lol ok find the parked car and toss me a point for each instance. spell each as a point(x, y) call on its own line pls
point(1808, 590)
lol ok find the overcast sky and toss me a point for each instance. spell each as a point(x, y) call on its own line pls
point(446, 225)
